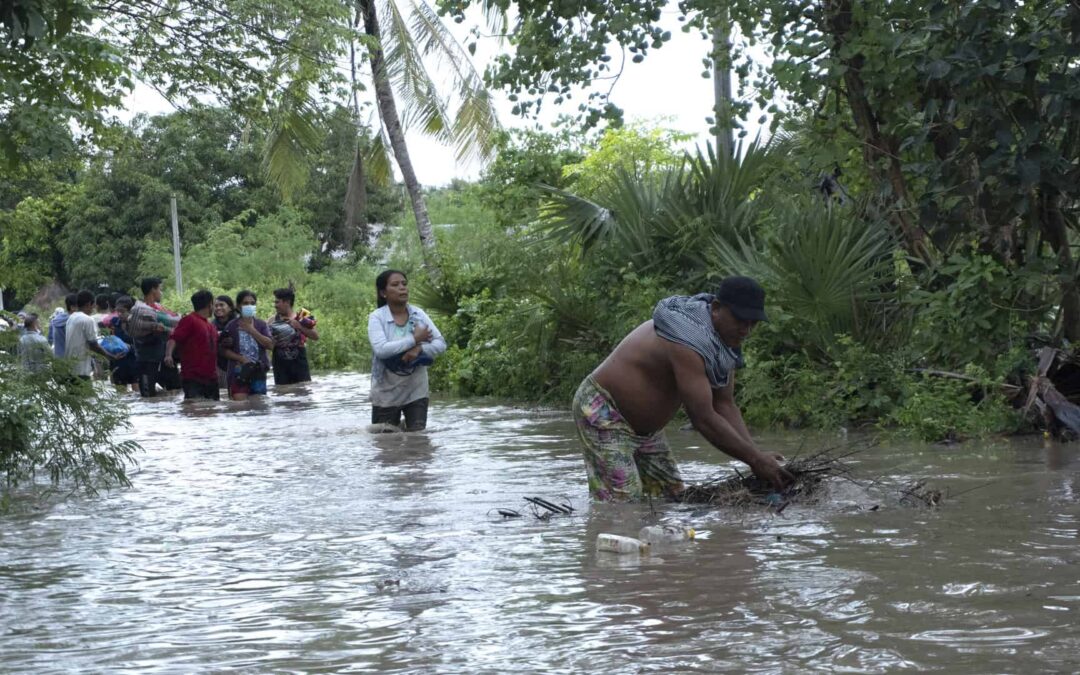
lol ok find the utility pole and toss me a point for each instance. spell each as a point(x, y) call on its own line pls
point(721, 45)
point(176, 246)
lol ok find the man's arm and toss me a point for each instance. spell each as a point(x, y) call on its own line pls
point(724, 404)
point(178, 334)
point(170, 346)
point(93, 346)
point(88, 333)
point(697, 397)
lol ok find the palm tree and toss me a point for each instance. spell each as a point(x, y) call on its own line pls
point(832, 269)
point(401, 38)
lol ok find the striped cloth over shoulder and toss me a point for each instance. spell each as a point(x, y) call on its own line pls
point(687, 320)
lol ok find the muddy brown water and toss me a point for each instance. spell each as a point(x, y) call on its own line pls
point(284, 537)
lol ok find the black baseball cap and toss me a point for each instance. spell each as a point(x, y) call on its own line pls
point(744, 296)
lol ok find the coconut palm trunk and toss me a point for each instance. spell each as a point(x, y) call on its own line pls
point(384, 95)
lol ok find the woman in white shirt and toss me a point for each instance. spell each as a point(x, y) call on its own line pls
point(404, 341)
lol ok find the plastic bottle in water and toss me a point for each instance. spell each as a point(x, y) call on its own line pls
point(665, 534)
point(615, 543)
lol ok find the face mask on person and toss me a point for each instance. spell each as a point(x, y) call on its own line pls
point(247, 311)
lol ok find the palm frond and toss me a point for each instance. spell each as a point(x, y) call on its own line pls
point(628, 216)
point(422, 107)
point(824, 267)
point(378, 160)
point(572, 219)
point(293, 135)
point(476, 121)
point(355, 202)
point(498, 22)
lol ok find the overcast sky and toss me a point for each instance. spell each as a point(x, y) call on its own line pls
point(666, 86)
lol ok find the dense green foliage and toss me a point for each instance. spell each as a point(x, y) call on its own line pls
point(53, 423)
point(953, 128)
point(530, 310)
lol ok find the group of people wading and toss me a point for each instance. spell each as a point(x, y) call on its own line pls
point(685, 356)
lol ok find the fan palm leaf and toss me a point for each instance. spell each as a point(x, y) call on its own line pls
point(823, 267)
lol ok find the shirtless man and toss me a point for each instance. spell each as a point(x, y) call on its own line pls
point(686, 356)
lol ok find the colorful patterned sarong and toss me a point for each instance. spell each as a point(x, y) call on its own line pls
point(621, 465)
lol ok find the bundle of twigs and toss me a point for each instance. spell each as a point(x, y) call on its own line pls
point(740, 490)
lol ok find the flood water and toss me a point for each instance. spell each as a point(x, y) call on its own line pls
point(285, 537)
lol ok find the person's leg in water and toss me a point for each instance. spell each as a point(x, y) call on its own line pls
point(148, 376)
point(390, 416)
point(416, 415)
point(621, 465)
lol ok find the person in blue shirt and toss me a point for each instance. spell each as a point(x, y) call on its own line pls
point(58, 325)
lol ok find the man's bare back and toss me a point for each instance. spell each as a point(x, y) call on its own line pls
point(649, 378)
point(639, 376)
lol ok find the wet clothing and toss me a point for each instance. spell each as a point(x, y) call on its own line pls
point(255, 387)
point(153, 373)
point(244, 344)
point(57, 332)
point(195, 390)
point(125, 370)
point(223, 340)
point(687, 320)
point(196, 342)
point(34, 352)
point(415, 415)
point(290, 355)
point(81, 331)
point(148, 341)
point(621, 465)
point(390, 389)
point(291, 371)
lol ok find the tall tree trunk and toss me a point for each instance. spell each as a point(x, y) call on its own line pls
point(1055, 231)
point(877, 147)
point(384, 96)
point(721, 38)
point(355, 223)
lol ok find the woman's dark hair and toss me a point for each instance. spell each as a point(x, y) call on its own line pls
point(286, 294)
point(380, 284)
point(125, 302)
point(103, 301)
point(245, 294)
point(227, 300)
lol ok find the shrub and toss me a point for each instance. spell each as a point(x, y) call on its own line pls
point(53, 422)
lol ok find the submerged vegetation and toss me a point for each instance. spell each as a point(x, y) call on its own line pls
point(54, 424)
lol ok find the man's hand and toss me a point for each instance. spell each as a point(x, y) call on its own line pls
point(159, 328)
point(766, 467)
point(421, 333)
point(169, 362)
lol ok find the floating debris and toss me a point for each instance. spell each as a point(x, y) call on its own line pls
point(746, 491)
point(918, 494)
point(541, 508)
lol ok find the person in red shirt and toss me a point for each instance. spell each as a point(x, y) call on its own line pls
point(197, 339)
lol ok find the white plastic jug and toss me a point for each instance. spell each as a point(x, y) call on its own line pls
point(665, 534)
point(614, 543)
